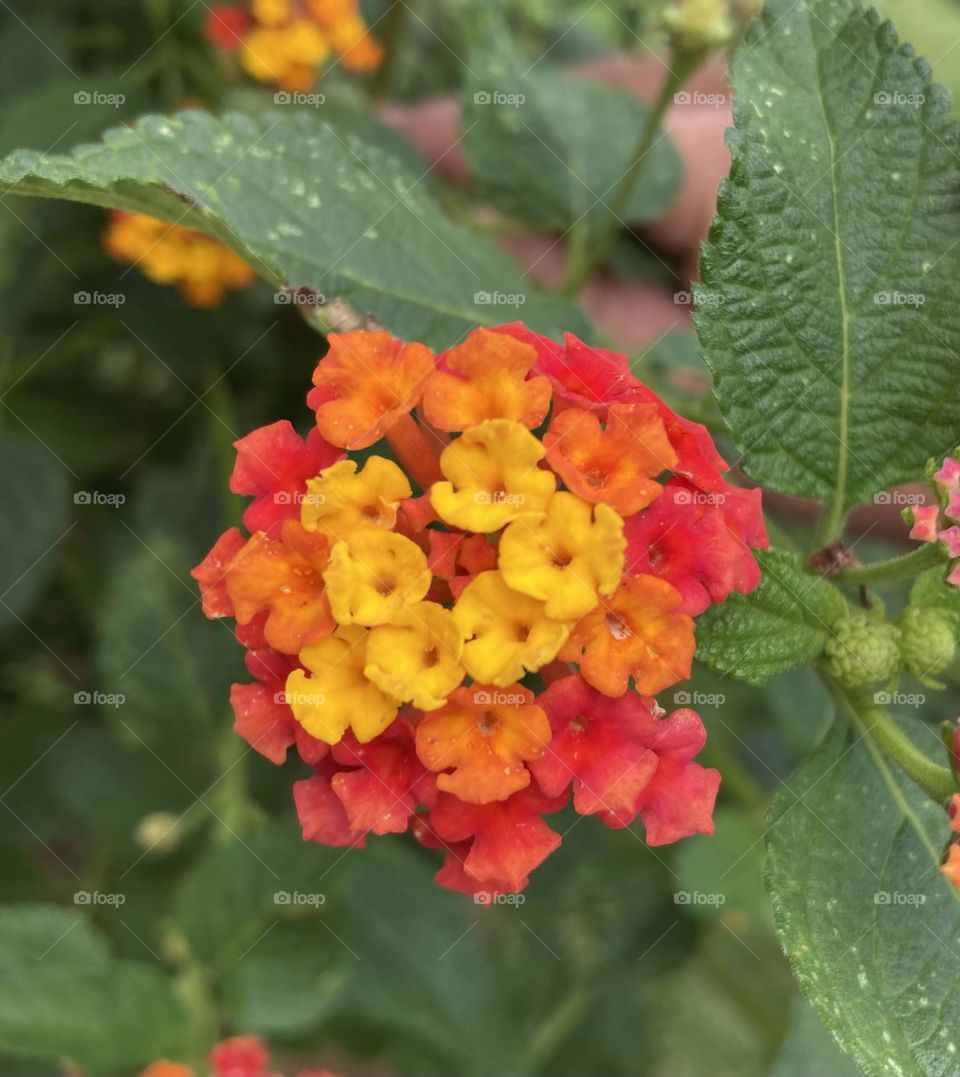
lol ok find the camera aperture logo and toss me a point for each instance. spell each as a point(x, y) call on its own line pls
point(99, 299)
point(96, 97)
point(297, 97)
point(99, 699)
point(99, 497)
point(494, 698)
point(497, 97)
point(895, 897)
point(296, 897)
point(498, 497)
point(98, 897)
point(499, 299)
point(488, 897)
point(698, 897)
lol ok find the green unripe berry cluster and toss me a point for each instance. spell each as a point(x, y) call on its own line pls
point(927, 641)
point(863, 650)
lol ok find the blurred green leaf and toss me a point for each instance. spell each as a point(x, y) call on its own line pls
point(867, 920)
point(310, 207)
point(549, 148)
point(783, 624)
point(720, 875)
point(62, 995)
point(809, 1048)
point(33, 492)
point(172, 668)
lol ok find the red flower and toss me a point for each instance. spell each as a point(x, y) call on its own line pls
point(509, 837)
point(322, 815)
point(211, 574)
point(698, 459)
point(581, 376)
point(678, 800)
point(379, 792)
point(240, 1056)
point(273, 465)
point(363, 789)
point(226, 26)
point(599, 744)
point(699, 542)
point(262, 717)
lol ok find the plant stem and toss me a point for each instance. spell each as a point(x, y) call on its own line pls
point(927, 556)
point(397, 25)
point(584, 255)
point(877, 725)
point(414, 450)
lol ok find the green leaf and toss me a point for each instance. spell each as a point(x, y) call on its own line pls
point(931, 591)
point(549, 148)
point(809, 1048)
point(236, 895)
point(865, 916)
point(33, 492)
point(828, 311)
point(310, 207)
point(167, 669)
point(63, 995)
point(783, 624)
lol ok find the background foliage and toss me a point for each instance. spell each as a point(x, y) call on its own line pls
point(622, 960)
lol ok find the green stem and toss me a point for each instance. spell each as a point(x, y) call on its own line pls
point(831, 524)
point(396, 28)
point(584, 256)
point(877, 726)
point(927, 556)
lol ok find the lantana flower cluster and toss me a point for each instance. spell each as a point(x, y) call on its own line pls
point(940, 521)
point(238, 1056)
point(463, 588)
point(285, 42)
point(203, 269)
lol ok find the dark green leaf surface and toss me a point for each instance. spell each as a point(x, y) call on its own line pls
point(810, 1049)
point(311, 207)
point(33, 492)
point(828, 308)
point(783, 624)
point(62, 994)
point(868, 922)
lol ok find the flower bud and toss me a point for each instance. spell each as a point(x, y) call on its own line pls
point(927, 641)
point(863, 650)
point(159, 832)
point(698, 25)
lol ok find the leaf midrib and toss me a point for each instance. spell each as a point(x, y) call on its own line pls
point(838, 504)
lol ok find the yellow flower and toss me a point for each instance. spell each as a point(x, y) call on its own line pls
point(566, 559)
point(338, 696)
point(506, 632)
point(373, 574)
point(416, 657)
point(341, 499)
point(263, 54)
point(271, 12)
point(493, 477)
point(306, 43)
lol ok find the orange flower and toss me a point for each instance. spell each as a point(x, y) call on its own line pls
point(167, 1069)
point(202, 268)
point(285, 578)
point(616, 463)
point(486, 735)
point(359, 50)
point(638, 632)
point(365, 384)
point(485, 377)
